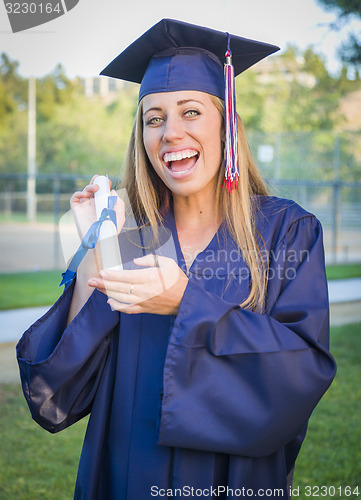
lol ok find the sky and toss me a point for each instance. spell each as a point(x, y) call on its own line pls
point(88, 37)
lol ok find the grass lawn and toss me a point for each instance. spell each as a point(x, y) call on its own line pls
point(343, 271)
point(331, 453)
point(29, 289)
point(17, 217)
point(41, 288)
point(36, 465)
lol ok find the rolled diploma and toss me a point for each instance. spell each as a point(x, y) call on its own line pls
point(108, 236)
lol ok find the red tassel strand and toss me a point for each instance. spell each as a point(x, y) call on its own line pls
point(230, 119)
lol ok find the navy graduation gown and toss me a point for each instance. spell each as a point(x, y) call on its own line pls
point(215, 397)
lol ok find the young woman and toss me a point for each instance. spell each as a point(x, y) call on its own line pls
point(199, 370)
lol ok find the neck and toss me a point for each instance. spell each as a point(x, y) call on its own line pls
point(194, 213)
point(197, 222)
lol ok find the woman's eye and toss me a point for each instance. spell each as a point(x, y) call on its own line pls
point(192, 112)
point(154, 120)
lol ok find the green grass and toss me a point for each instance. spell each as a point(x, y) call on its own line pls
point(343, 271)
point(331, 453)
point(41, 288)
point(29, 289)
point(20, 217)
point(36, 465)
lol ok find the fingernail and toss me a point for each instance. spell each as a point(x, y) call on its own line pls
point(92, 282)
point(103, 274)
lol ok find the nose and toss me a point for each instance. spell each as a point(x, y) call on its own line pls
point(173, 129)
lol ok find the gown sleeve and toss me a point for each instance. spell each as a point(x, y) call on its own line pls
point(244, 383)
point(61, 367)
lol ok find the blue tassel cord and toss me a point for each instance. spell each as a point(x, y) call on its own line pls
point(89, 241)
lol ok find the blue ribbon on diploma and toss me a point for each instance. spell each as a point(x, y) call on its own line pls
point(89, 241)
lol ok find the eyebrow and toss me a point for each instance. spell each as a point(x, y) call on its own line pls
point(151, 109)
point(185, 101)
point(179, 103)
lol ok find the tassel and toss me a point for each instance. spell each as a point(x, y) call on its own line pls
point(230, 119)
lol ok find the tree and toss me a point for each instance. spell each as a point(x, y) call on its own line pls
point(13, 89)
point(350, 51)
point(250, 100)
point(52, 90)
point(301, 95)
point(86, 136)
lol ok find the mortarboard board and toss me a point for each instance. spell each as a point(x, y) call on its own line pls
point(174, 55)
point(179, 42)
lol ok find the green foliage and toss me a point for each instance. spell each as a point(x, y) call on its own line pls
point(85, 136)
point(12, 91)
point(53, 90)
point(343, 7)
point(81, 135)
point(350, 51)
point(13, 141)
point(302, 95)
point(250, 100)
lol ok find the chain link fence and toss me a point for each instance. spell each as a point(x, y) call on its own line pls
point(319, 170)
point(322, 172)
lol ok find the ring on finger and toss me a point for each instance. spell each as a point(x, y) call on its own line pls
point(131, 289)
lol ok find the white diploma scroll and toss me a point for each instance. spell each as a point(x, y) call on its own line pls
point(108, 236)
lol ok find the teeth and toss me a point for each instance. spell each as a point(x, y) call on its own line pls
point(179, 155)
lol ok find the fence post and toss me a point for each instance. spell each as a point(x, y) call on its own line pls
point(31, 180)
point(7, 203)
point(278, 167)
point(56, 209)
point(336, 202)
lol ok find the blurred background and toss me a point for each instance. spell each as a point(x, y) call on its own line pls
point(60, 123)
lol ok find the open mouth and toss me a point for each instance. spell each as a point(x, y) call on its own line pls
point(181, 161)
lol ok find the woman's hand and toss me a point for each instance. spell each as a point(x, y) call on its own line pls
point(83, 207)
point(157, 289)
point(84, 213)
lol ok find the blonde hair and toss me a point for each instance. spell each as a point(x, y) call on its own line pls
point(149, 198)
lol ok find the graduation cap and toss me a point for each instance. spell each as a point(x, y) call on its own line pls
point(174, 55)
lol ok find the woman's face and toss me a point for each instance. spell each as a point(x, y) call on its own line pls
point(182, 138)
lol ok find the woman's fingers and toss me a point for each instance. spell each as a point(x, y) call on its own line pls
point(93, 178)
point(156, 287)
point(122, 293)
point(141, 284)
point(86, 194)
point(117, 286)
point(126, 276)
point(88, 191)
point(97, 175)
point(149, 260)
